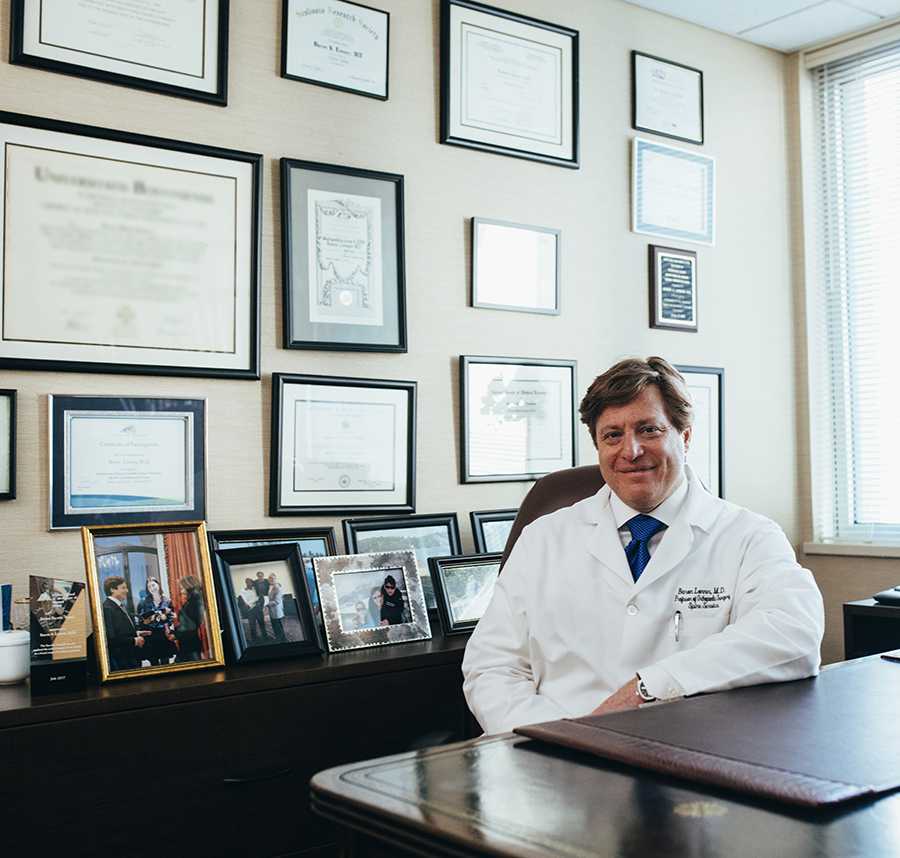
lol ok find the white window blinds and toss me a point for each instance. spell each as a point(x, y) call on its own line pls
point(855, 313)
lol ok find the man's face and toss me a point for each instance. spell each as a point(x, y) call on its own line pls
point(119, 593)
point(641, 453)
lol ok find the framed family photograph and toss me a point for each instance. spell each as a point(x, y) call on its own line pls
point(490, 529)
point(434, 535)
point(342, 445)
point(515, 267)
point(666, 98)
point(706, 452)
point(509, 83)
point(673, 288)
point(178, 47)
point(120, 460)
point(342, 258)
point(127, 254)
point(341, 45)
point(266, 603)
point(371, 599)
point(464, 587)
point(7, 444)
point(518, 417)
point(153, 603)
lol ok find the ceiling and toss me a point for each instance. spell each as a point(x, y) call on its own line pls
point(785, 25)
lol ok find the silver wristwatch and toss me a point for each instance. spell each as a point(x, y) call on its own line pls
point(645, 695)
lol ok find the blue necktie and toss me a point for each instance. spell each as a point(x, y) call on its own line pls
point(643, 528)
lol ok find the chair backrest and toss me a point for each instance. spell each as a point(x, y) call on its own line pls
point(553, 492)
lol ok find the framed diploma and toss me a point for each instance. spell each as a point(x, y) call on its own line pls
point(673, 192)
point(515, 267)
point(490, 529)
point(705, 454)
point(342, 258)
point(337, 44)
point(464, 586)
point(342, 445)
point(173, 47)
point(7, 444)
point(509, 83)
point(673, 288)
point(666, 98)
point(518, 418)
point(120, 460)
point(124, 253)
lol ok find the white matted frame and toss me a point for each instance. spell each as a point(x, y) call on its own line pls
point(706, 452)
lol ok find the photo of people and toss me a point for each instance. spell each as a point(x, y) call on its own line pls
point(266, 604)
point(371, 598)
point(469, 588)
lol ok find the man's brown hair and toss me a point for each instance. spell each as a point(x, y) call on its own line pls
point(111, 583)
point(626, 380)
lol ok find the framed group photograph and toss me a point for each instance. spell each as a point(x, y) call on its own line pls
point(371, 599)
point(342, 258)
point(177, 47)
point(464, 586)
point(7, 444)
point(435, 535)
point(518, 418)
point(509, 83)
point(127, 254)
point(490, 529)
point(666, 98)
point(515, 267)
point(341, 45)
point(673, 288)
point(120, 460)
point(342, 445)
point(267, 607)
point(153, 603)
point(706, 452)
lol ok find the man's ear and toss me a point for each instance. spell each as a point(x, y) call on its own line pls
point(686, 435)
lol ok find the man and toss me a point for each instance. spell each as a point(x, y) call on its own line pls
point(261, 585)
point(651, 589)
point(123, 641)
point(276, 608)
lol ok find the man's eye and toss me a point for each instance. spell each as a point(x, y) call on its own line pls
point(611, 436)
point(651, 430)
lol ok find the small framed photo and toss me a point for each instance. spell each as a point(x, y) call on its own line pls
point(509, 83)
point(666, 98)
point(673, 288)
point(7, 444)
point(518, 417)
point(426, 536)
point(342, 445)
point(371, 599)
point(266, 604)
point(464, 587)
point(120, 460)
point(515, 267)
point(171, 48)
point(706, 452)
point(490, 529)
point(153, 603)
point(342, 258)
point(340, 45)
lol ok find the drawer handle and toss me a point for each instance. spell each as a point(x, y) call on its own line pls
point(266, 776)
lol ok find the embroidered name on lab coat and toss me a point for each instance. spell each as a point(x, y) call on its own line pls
point(701, 598)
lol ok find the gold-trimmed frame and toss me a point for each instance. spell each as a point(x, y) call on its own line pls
point(96, 597)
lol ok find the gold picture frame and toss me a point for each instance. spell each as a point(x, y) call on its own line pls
point(177, 621)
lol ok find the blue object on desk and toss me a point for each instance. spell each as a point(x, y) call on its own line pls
point(6, 606)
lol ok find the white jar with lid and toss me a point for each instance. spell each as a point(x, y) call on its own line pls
point(15, 657)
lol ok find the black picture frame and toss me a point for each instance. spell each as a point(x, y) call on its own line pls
point(479, 518)
point(712, 378)
point(9, 493)
point(240, 644)
point(677, 291)
point(635, 95)
point(285, 24)
point(19, 56)
point(300, 331)
point(331, 501)
point(440, 567)
point(246, 330)
point(514, 147)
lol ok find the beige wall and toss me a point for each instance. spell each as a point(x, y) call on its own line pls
point(746, 307)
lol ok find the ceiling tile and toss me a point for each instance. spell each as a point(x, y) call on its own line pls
point(885, 8)
point(728, 16)
point(818, 23)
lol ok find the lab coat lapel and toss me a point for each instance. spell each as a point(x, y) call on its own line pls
point(603, 542)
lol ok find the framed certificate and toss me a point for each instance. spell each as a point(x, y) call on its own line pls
point(7, 444)
point(124, 253)
point(338, 44)
point(673, 288)
point(117, 460)
point(490, 529)
point(342, 258)
point(673, 193)
point(515, 267)
point(173, 47)
point(342, 445)
point(518, 418)
point(509, 83)
point(666, 98)
point(705, 454)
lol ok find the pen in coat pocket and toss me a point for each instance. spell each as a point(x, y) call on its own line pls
point(677, 625)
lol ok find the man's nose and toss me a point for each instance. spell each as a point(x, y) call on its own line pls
point(632, 446)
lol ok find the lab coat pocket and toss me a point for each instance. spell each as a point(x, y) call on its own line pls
point(696, 625)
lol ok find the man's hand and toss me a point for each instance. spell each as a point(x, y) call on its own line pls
point(138, 641)
point(625, 698)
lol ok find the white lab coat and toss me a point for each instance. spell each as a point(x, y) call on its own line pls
point(567, 626)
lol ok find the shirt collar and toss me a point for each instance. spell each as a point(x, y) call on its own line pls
point(666, 512)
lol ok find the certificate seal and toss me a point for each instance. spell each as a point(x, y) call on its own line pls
point(344, 481)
